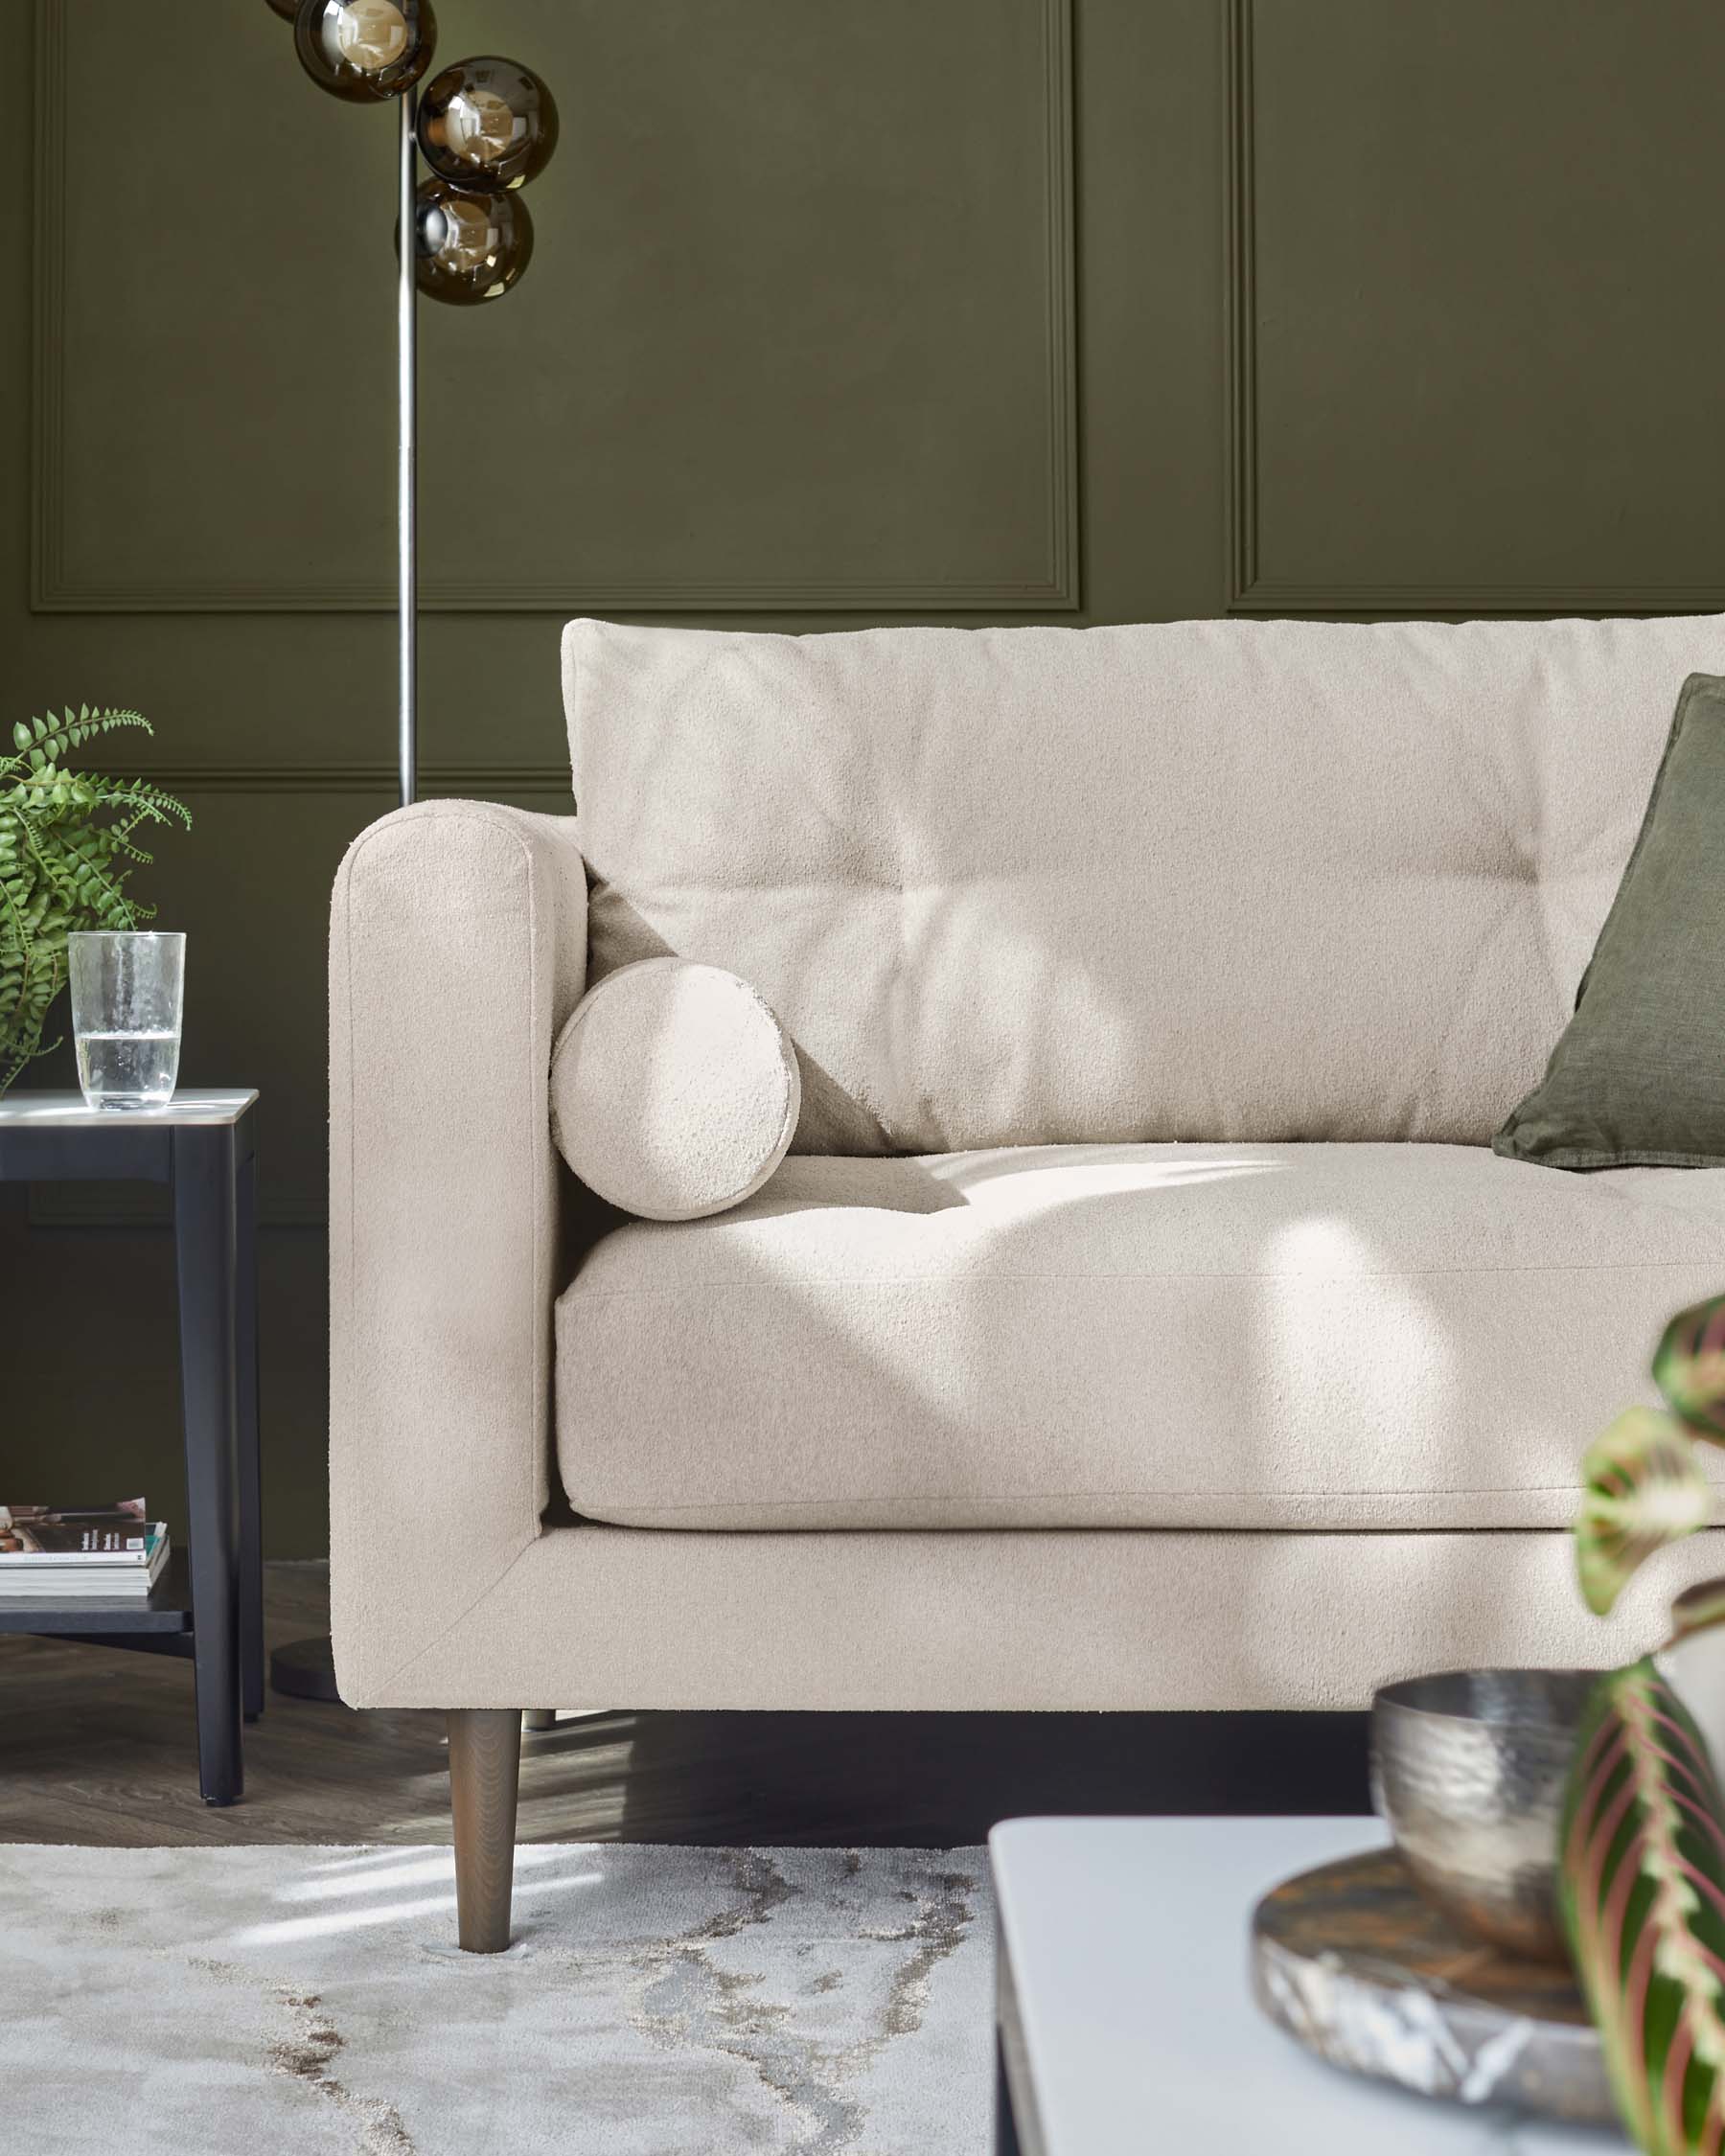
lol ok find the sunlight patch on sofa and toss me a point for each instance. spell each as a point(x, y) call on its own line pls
point(1353, 1344)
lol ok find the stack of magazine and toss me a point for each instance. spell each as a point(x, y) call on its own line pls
point(64, 1553)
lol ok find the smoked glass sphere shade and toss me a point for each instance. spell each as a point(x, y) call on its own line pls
point(365, 51)
point(486, 123)
point(469, 247)
point(286, 9)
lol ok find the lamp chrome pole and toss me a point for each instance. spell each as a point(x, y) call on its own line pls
point(406, 436)
point(306, 1668)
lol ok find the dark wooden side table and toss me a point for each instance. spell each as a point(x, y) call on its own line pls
point(210, 1608)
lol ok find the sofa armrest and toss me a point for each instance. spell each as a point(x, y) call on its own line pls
point(457, 947)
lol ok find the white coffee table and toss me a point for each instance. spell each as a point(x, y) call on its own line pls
point(1126, 2021)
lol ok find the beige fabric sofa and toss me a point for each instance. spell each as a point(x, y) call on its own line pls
point(1140, 1319)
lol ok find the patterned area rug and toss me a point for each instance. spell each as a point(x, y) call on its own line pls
point(656, 2001)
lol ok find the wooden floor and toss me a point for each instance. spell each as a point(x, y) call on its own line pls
point(99, 1748)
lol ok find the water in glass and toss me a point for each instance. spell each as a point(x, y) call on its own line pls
point(127, 1069)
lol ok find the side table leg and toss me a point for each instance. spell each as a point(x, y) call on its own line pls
point(205, 1234)
point(251, 1496)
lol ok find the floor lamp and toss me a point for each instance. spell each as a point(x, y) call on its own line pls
point(485, 127)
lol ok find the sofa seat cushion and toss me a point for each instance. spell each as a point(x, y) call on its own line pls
point(1158, 1336)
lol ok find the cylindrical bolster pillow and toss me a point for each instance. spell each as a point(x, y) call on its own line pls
point(673, 1089)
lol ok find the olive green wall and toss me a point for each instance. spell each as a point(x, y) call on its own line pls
point(929, 309)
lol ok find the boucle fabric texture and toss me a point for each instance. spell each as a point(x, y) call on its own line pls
point(1061, 1620)
point(457, 947)
point(673, 1089)
point(1335, 1337)
point(1239, 881)
point(1638, 1074)
point(1230, 881)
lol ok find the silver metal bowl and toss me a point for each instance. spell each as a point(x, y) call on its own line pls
point(1467, 1772)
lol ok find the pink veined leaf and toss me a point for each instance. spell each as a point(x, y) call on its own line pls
point(1642, 1871)
point(1642, 1487)
point(1689, 1366)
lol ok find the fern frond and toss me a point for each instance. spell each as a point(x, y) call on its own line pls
point(45, 741)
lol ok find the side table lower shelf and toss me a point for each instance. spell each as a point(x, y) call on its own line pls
point(159, 1622)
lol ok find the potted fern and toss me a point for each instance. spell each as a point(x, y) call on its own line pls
point(1642, 1854)
point(69, 841)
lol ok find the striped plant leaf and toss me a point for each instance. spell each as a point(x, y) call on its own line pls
point(1642, 1487)
point(1689, 1364)
point(1643, 1888)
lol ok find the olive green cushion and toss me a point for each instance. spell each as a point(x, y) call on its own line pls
point(1638, 1078)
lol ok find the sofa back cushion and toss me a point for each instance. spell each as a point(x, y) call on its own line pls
point(1216, 879)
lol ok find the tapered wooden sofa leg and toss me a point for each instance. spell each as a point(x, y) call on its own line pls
point(537, 1719)
point(485, 1772)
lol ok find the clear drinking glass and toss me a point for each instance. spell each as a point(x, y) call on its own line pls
point(126, 993)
